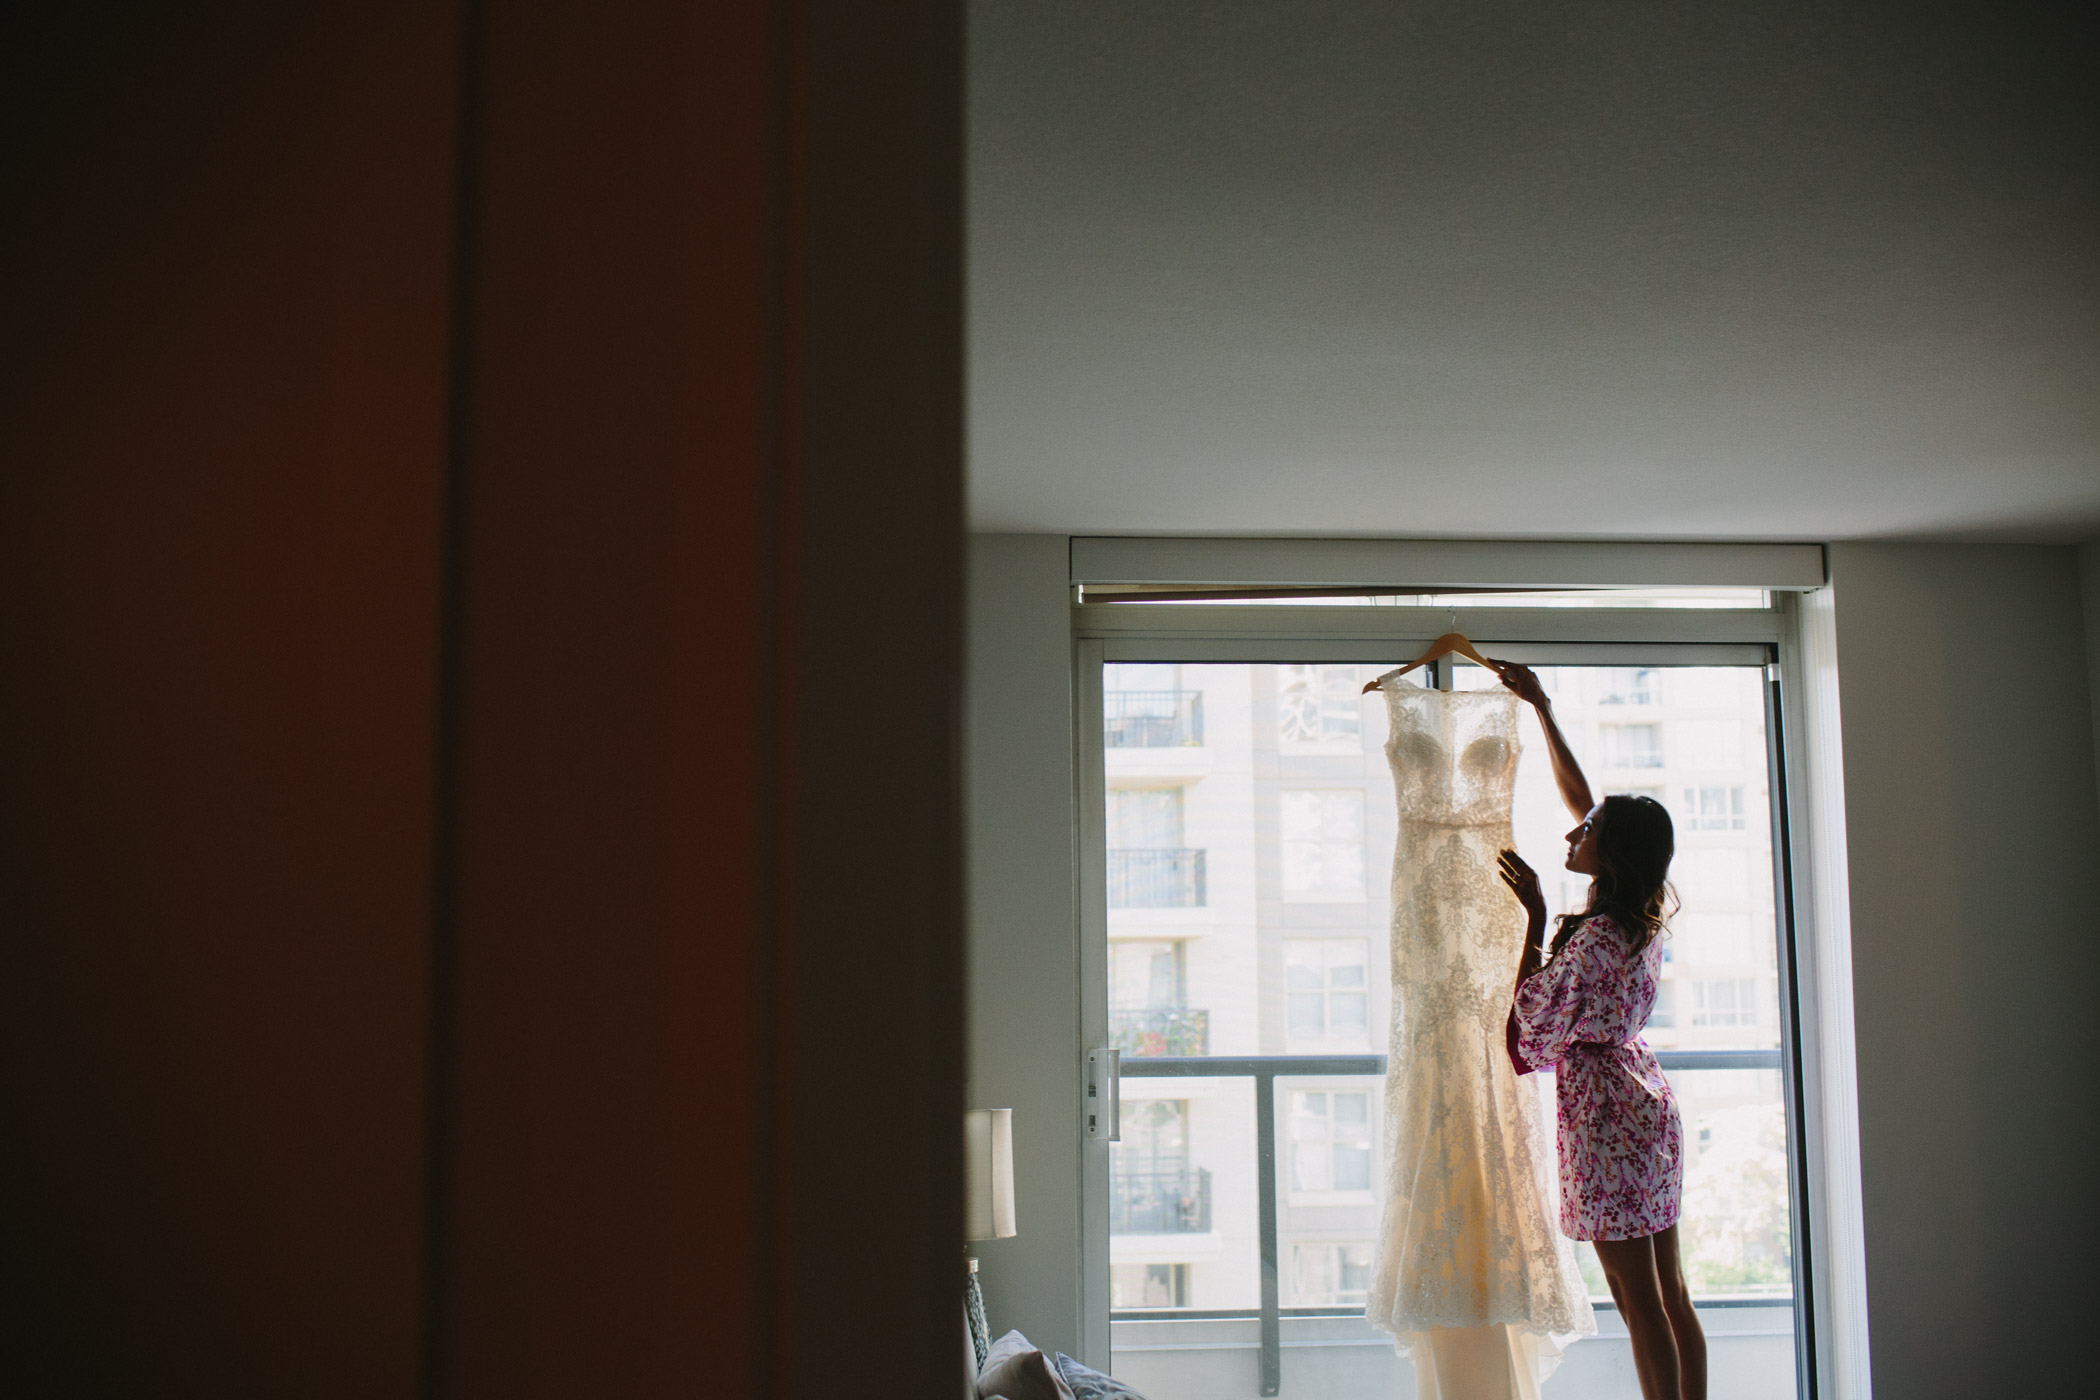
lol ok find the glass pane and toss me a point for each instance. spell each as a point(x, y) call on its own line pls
point(1164, 986)
point(1352, 1168)
point(1182, 1195)
point(1307, 1013)
point(1287, 809)
point(1348, 1009)
point(1145, 817)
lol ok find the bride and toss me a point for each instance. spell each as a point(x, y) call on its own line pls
point(1579, 1008)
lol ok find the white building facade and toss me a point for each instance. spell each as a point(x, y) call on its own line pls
point(1251, 826)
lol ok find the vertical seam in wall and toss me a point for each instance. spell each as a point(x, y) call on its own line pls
point(2086, 562)
point(439, 1089)
point(773, 735)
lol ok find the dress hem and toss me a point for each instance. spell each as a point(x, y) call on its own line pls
point(1615, 1239)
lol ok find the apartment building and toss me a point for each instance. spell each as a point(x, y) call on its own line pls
point(1250, 828)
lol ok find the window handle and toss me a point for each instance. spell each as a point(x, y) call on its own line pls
point(1104, 1094)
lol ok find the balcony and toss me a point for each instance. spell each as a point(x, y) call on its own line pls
point(1202, 1353)
point(1155, 877)
point(1160, 1031)
point(1152, 719)
point(1159, 1203)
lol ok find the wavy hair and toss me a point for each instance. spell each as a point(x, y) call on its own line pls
point(1635, 842)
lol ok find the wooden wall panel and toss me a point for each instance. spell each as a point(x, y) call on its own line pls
point(227, 271)
point(479, 555)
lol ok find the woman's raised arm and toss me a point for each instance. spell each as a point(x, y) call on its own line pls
point(1567, 773)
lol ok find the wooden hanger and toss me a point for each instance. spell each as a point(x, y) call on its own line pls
point(1443, 646)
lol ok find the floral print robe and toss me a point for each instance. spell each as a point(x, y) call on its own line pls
point(1621, 1141)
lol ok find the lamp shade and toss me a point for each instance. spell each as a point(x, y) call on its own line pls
point(988, 1147)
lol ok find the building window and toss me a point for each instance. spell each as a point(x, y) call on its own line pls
point(1629, 686)
point(1148, 1011)
point(1148, 1285)
point(1152, 1188)
point(1714, 809)
point(1145, 707)
point(1323, 845)
point(1144, 818)
point(1330, 1275)
point(1708, 876)
point(1319, 707)
point(1633, 746)
point(1141, 675)
point(1148, 866)
point(1327, 996)
point(1725, 1001)
point(1148, 974)
point(1330, 1141)
point(1663, 1015)
point(1715, 938)
point(1155, 1136)
point(1710, 744)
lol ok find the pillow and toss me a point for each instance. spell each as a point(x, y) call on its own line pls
point(1089, 1384)
point(1015, 1369)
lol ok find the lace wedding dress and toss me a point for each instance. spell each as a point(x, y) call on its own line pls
point(1472, 1277)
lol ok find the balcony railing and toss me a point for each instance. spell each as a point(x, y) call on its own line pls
point(1159, 1203)
point(1153, 719)
point(1155, 877)
point(1265, 1070)
point(1160, 1031)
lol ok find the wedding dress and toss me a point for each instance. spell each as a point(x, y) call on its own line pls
point(1472, 1276)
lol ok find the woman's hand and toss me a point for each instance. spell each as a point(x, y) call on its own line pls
point(1523, 882)
point(1524, 682)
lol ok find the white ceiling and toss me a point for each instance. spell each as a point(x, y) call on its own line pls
point(1777, 271)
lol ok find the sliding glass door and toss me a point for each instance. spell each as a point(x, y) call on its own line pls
point(1241, 853)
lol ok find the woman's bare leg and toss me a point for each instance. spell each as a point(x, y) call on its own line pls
point(1629, 1267)
point(1684, 1322)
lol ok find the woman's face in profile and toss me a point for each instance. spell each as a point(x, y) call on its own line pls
point(1582, 843)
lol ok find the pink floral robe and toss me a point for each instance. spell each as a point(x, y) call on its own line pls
point(1621, 1141)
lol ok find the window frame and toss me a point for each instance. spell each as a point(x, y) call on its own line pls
point(1619, 637)
point(1328, 1042)
point(1297, 1246)
point(1287, 1120)
point(1323, 894)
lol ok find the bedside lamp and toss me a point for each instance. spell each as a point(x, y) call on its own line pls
point(988, 1175)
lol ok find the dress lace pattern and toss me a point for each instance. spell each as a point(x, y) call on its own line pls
point(1467, 1237)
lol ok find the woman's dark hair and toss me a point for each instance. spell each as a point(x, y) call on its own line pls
point(1635, 841)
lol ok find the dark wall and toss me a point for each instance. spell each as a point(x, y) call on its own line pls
point(644, 628)
point(474, 478)
point(227, 263)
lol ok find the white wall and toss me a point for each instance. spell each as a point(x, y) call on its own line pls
point(1974, 845)
point(1023, 925)
point(1974, 839)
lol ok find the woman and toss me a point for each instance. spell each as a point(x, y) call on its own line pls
point(1621, 1141)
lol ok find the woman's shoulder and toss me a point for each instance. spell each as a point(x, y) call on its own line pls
point(1605, 930)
